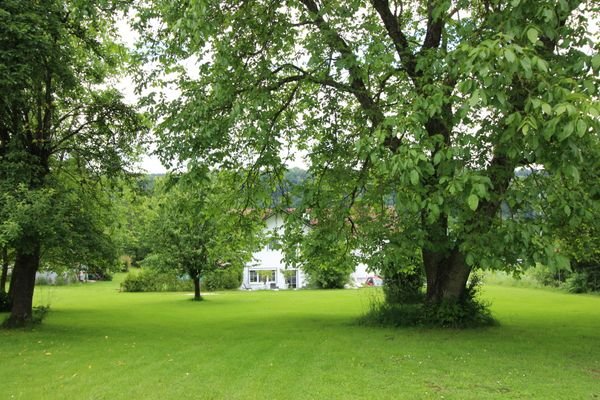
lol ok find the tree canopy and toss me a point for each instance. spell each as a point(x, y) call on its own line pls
point(199, 225)
point(433, 104)
point(56, 110)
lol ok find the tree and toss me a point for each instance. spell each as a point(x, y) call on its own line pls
point(77, 231)
point(199, 227)
point(430, 106)
point(54, 55)
point(130, 202)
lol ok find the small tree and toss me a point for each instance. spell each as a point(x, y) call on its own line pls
point(198, 226)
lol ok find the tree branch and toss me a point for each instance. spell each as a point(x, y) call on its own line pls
point(435, 26)
point(357, 84)
point(398, 38)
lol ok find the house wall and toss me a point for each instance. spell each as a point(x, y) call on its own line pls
point(272, 259)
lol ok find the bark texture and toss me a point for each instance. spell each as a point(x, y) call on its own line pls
point(447, 276)
point(197, 296)
point(22, 285)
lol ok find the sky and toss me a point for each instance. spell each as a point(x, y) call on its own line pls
point(149, 163)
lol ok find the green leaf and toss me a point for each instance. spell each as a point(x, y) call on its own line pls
point(474, 98)
point(562, 262)
point(573, 172)
point(560, 109)
point(542, 65)
point(546, 108)
point(532, 35)
point(414, 177)
point(581, 127)
point(470, 259)
point(473, 202)
point(596, 61)
point(526, 64)
point(566, 131)
point(567, 210)
point(510, 56)
point(589, 86)
point(437, 158)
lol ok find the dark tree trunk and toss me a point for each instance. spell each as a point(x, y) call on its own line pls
point(446, 274)
point(22, 285)
point(196, 279)
point(4, 273)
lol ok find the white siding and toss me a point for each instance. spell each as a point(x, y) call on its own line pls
point(272, 259)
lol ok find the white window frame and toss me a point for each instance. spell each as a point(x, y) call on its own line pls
point(255, 272)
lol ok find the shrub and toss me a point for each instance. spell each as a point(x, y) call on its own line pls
point(577, 282)
point(155, 281)
point(467, 312)
point(222, 279)
point(547, 276)
point(393, 314)
point(403, 287)
point(125, 262)
point(328, 278)
point(43, 280)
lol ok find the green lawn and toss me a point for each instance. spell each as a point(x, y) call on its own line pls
point(97, 343)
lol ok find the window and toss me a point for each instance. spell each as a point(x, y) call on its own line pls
point(259, 276)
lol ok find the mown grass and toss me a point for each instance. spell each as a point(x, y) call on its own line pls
point(97, 343)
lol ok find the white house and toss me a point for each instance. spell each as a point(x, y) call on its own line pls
point(268, 270)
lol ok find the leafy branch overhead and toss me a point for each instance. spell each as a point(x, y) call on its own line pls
point(432, 107)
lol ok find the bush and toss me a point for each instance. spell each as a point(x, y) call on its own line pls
point(577, 282)
point(222, 279)
point(547, 276)
point(467, 312)
point(403, 287)
point(43, 280)
point(328, 278)
point(155, 281)
point(54, 279)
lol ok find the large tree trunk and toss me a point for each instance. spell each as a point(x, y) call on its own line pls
point(196, 279)
point(447, 276)
point(4, 273)
point(22, 285)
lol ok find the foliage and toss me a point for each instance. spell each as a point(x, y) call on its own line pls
point(318, 246)
point(223, 279)
point(429, 106)
point(132, 199)
point(469, 312)
point(328, 277)
point(583, 243)
point(578, 282)
point(58, 116)
point(150, 280)
point(402, 287)
point(199, 225)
